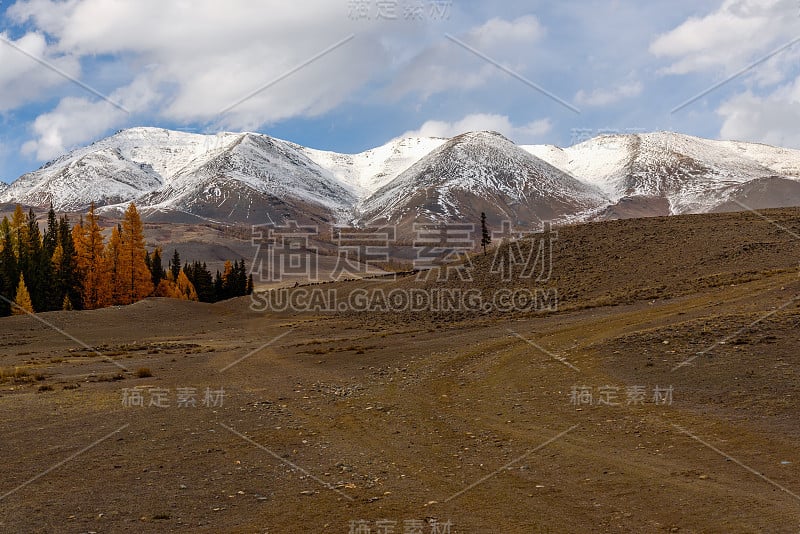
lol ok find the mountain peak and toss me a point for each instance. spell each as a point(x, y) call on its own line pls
point(480, 136)
point(238, 177)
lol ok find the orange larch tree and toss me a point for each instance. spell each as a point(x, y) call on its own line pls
point(23, 299)
point(185, 289)
point(112, 255)
point(88, 239)
point(136, 281)
point(19, 230)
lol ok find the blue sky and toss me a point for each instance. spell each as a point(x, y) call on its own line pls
point(352, 74)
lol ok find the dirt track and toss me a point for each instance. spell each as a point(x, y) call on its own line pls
point(349, 420)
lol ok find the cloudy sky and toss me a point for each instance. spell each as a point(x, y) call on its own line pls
point(348, 75)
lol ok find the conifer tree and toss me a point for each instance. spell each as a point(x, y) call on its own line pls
point(185, 289)
point(56, 287)
point(50, 239)
point(88, 240)
point(8, 268)
point(200, 277)
point(157, 267)
point(69, 282)
point(23, 299)
point(112, 257)
point(228, 281)
point(35, 264)
point(241, 279)
point(175, 264)
point(136, 279)
point(486, 237)
point(18, 230)
point(219, 287)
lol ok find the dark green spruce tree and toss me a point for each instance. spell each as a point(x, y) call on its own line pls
point(175, 265)
point(68, 276)
point(8, 268)
point(35, 265)
point(51, 287)
point(157, 267)
point(486, 237)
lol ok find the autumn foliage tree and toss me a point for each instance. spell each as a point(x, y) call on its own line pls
point(65, 268)
point(96, 288)
point(135, 278)
point(111, 256)
point(23, 299)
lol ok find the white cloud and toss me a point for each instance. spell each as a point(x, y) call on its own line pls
point(204, 56)
point(604, 97)
point(526, 133)
point(22, 79)
point(499, 32)
point(729, 38)
point(448, 65)
point(75, 120)
point(739, 33)
point(772, 119)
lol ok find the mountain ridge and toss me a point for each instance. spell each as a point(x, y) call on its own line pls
point(252, 177)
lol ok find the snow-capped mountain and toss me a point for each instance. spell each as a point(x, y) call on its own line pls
point(254, 178)
point(694, 175)
point(225, 177)
point(251, 177)
point(228, 177)
point(368, 171)
point(116, 169)
point(481, 171)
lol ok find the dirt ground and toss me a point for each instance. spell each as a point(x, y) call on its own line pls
point(660, 397)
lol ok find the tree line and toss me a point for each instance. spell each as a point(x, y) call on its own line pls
point(69, 267)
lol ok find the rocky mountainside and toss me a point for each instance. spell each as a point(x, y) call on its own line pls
point(254, 178)
point(481, 171)
point(691, 174)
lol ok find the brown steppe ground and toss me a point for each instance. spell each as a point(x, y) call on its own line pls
point(436, 420)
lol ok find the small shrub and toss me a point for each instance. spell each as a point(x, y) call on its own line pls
point(143, 372)
point(17, 374)
point(111, 378)
point(45, 387)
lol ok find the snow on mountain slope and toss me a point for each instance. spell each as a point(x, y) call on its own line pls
point(693, 174)
point(368, 171)
point(266, 166)
point(481, 171)
point(166, 151)
point(103, 176)
point(784, 161)
point(119, 168)
point(238, 177)
point(162, 169)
